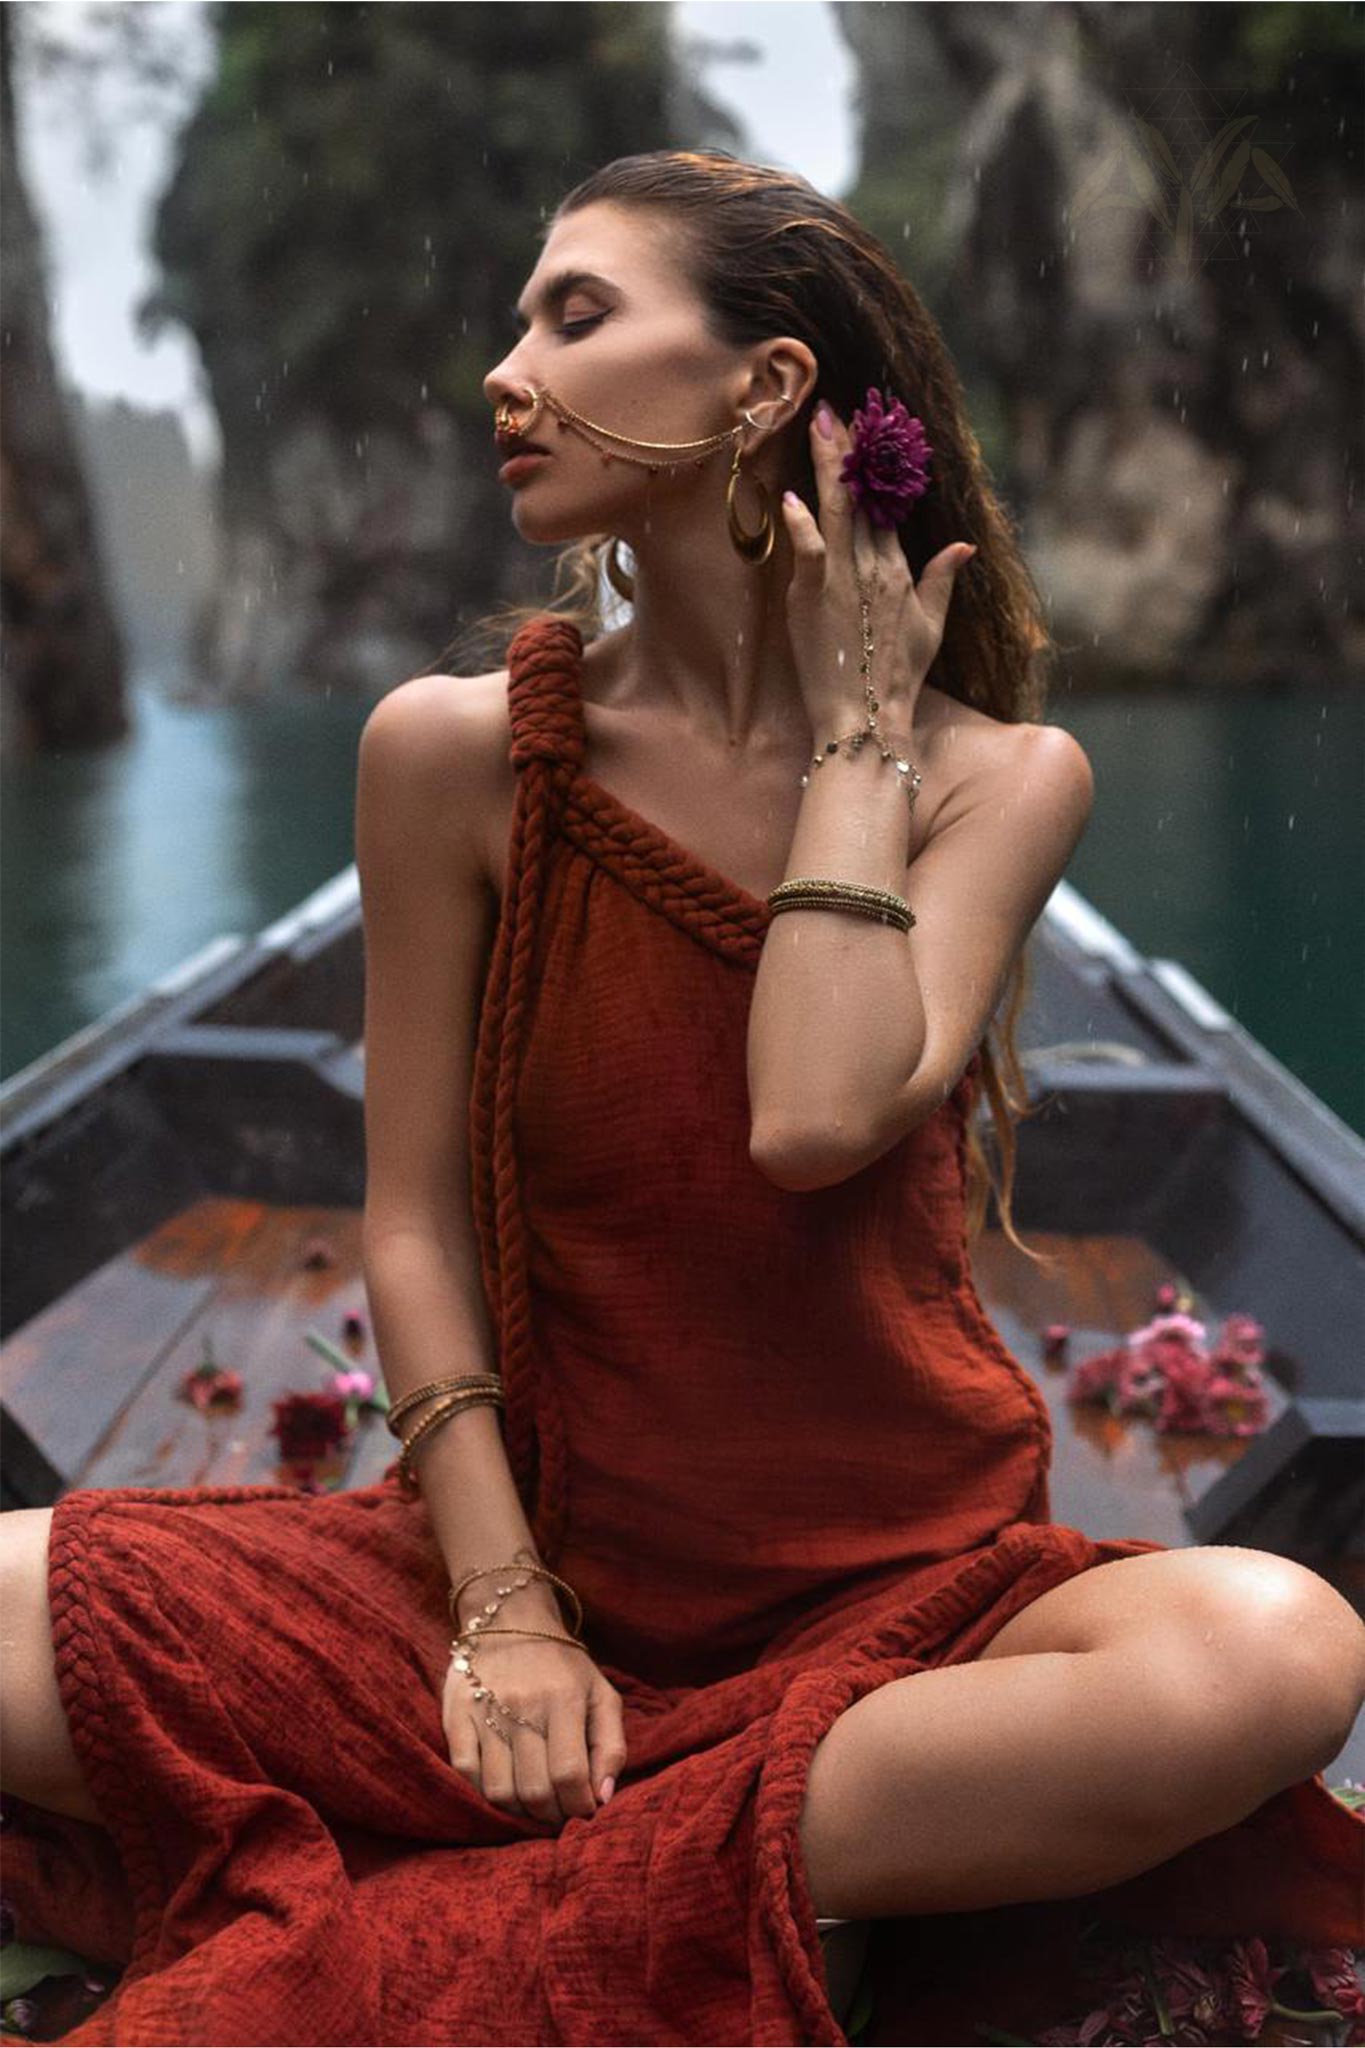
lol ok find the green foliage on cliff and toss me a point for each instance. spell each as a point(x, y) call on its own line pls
point(1280, 40)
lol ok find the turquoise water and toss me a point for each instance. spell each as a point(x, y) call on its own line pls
point(1228, 834)
point(117, 865)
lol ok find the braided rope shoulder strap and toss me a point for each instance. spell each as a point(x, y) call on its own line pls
point(545, 713)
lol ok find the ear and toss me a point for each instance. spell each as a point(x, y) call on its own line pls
point(781, 368)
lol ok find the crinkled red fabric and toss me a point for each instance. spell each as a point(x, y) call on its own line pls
point(772, 1440)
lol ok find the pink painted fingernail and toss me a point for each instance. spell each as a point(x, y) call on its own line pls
point(608, 1787)
point(824, 420)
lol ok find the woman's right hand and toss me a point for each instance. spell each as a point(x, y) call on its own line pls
point(556, 1768)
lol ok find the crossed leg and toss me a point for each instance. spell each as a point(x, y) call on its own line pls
point(1132, 1710)
point(37, 1760)
point(1137, 1708)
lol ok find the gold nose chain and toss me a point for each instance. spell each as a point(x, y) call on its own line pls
point(694, 452)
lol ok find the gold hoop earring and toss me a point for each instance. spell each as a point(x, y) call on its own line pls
point(754, 547)
point(621, 583)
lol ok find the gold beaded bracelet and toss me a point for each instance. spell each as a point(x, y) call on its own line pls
point(532, 1571)
point(811, 892)
point(466, 1638)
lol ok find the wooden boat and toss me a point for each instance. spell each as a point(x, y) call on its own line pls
point(167, 1172)
point(184, 1180)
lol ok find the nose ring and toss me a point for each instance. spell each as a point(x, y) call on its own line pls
point(505, 421)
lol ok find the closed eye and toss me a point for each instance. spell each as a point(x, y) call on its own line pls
point(582, 326)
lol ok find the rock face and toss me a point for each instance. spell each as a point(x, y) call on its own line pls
point(61, 660)
point(1142, 231)
point(356, 203)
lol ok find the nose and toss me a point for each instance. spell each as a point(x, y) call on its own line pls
point(503, 383)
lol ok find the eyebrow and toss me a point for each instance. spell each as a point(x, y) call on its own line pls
point(559, 286)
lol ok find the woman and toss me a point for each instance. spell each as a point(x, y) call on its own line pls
point(665, 1241)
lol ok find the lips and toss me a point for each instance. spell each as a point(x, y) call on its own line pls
point(509, 449)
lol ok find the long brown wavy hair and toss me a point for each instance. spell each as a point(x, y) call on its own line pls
point(768, 254)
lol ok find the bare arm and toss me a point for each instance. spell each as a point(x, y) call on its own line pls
point(858, 1032)
point(429, 922)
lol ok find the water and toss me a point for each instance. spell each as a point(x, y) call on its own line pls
point(1228, 834)
point(119, 864)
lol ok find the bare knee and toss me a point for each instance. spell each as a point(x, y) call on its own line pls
point(37, 1760)
point(1281, 1634)
point(1242, 1655)
point(1240, 1647)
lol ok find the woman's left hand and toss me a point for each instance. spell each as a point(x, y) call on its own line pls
point(824, 619)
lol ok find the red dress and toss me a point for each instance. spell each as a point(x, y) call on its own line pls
point(772, 1440)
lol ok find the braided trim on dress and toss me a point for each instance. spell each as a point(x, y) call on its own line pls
point(547, 747)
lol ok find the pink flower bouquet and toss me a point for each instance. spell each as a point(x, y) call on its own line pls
point(1165, 1371)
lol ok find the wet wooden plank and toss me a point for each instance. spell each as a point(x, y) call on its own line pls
point(73, 1369)
point(255, 1322)
point(97, 1373)
point(1111, 1475)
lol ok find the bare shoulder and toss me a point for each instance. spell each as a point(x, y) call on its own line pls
point(979, 756)
point(446, 741)
point(468, 713)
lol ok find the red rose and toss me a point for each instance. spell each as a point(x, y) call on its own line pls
point(307, 1425)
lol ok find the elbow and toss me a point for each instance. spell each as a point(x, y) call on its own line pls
point(799, 1164)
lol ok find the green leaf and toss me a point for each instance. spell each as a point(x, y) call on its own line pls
point(22, 1965)
point(860, 2012)
point(329, 1351)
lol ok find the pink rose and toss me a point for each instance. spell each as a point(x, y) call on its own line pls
point(1140, 1383)
point(358, 1384)
point(1182, 1402)
point(1241, 1341)
point(1091, 1378)
point(1235, 1407)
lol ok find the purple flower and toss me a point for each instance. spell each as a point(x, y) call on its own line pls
point(1248, 1984)
point(887, 467)
point(1332, 1974)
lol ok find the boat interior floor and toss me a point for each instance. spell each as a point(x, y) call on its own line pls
point(93, 1385)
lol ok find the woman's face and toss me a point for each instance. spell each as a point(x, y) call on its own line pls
point(614, 329)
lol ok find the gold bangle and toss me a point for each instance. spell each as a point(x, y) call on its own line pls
point(812, 892)
point(471, 1398)
point(405, 1406)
